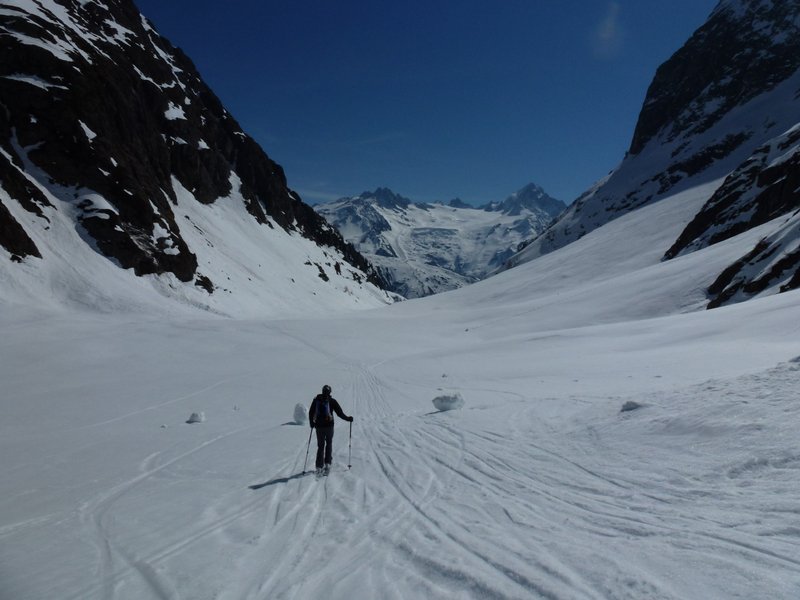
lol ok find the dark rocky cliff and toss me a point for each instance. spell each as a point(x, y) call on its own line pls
point(744, 49)
point(94, 102)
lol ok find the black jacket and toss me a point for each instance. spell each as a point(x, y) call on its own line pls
point(335, 408)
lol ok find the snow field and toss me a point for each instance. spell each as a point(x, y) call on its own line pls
point(539, 487)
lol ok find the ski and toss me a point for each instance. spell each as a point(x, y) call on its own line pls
point(322, 472)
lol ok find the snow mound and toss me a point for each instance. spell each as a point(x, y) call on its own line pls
point(448, 402)
point(197, 417)
point(300, 413)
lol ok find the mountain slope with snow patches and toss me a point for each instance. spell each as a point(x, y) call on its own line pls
point(725, 105)
point(113, 151)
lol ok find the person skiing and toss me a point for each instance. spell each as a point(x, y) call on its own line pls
point(320, 417)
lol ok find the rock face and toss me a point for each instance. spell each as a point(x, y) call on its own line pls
point(763, 187)
point(108, 117)
point(724, 107)
point(773, 262)
point(423, 249)
point(746, 48)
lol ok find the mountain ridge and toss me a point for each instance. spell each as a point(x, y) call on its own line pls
point(425, 248)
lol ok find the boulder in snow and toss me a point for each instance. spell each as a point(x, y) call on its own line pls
point(300, 413)
point(197, 417)
point(448, 401)
point(629, 406)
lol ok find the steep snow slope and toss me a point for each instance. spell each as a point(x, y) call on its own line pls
point(265, 271)
point(538, 488)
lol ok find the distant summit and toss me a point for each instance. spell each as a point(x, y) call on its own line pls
point(426, 248)
point(385, 198)
point(459, 203)
point(531, 198)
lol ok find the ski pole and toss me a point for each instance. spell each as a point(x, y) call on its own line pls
point(310, 431)
point(350, 447)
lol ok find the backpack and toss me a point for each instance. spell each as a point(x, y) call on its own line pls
point(323, 416)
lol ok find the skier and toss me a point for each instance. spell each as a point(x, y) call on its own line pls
point(320, 416)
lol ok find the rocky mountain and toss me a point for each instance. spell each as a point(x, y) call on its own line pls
point(109, 138)
point(423, 249)
point(724, 108)
point(530, 200)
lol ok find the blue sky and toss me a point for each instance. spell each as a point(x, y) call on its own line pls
point(434, 99)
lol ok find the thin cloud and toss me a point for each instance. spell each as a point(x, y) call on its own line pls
point(608, 35)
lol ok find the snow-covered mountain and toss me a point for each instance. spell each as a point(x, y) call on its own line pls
point(426, 248)
point(725, 108)
point(118, 164)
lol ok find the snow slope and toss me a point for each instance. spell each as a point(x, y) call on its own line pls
point(258, 270)
point(539, 487)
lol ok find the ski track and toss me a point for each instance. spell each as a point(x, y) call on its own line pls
point(434, 495)
point(156, 406)
point(98, 514)
point(402, 514)
point(419, 472)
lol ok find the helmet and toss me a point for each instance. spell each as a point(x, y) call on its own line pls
point(326, 390)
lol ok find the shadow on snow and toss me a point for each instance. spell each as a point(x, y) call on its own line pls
point(258, 486)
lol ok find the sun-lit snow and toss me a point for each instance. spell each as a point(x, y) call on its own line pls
point(90, 135)
point(174, 112)
point(33, 80)
point(538, 487)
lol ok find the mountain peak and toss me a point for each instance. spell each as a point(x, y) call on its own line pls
point(385, 198)
point(531, 198)
point(458, 203)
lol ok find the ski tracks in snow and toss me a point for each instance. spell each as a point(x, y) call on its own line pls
point(118, 564)
point(501, 504)
point(477, 503)
point(416, 517)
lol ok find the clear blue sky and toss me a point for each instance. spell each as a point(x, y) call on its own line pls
point(435, 99)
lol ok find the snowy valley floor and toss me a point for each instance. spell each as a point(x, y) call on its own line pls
point(539, 487)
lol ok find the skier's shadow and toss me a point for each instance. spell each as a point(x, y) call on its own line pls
point(258, 486)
